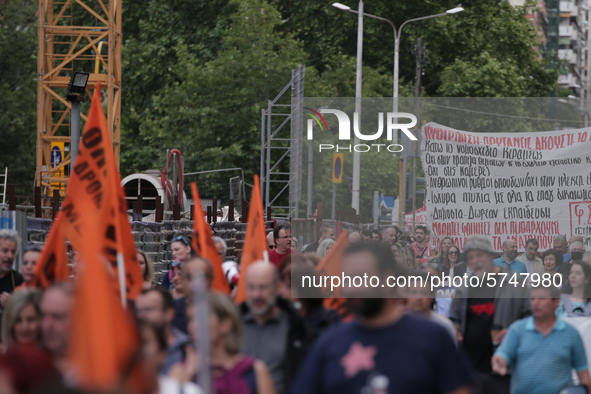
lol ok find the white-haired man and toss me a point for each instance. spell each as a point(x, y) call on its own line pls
point(230, 267)
point(9, 278)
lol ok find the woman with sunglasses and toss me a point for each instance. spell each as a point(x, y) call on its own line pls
point(181, 252)
point(452, 265)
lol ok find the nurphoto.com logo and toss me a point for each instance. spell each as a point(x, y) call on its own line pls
point(392, 120)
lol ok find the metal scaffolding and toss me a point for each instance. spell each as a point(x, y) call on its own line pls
point(280, 144)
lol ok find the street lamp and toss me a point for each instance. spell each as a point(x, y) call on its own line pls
point(397, 33)
point(342, 7)
point(75, 95)
point(356, 155)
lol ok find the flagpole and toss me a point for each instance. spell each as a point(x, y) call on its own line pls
point(201, 317)
point(121, 274)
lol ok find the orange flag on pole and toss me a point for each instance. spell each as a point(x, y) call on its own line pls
point(255, 241)
point(203, 244)
point(95, 181)
point(332, 265)
point(52, 265)
point(103, 337)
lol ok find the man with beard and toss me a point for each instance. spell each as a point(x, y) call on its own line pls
point(383, 349)
point(9, 278)
point(423, 252)
point(274, 332)
point(509, 258)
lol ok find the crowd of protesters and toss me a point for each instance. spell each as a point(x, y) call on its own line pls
point(391, 340)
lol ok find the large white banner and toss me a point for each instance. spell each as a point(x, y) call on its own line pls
point(507, 185)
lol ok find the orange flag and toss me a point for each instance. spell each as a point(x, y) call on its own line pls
point(255, 241)
point(203, 244)
point(95, 182)
point(332, 264)
point(103, 337)
point(52, 265)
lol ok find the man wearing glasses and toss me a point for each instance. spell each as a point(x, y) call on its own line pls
point(282, 236)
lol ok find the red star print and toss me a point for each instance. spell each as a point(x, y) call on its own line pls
point(358, 358)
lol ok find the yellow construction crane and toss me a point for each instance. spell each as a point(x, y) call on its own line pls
point(74, 36)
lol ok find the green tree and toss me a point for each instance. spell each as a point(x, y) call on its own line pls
point(18, 90)
point(487, 37)
point(213, 113)
point(157, 33)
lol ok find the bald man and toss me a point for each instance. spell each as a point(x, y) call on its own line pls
point(274, 332)
point(355, 237)
point(509, 258)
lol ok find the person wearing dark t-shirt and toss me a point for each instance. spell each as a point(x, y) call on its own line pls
point(477, 335)
point(282, 236)
point(9, 278)
point(326, 232)
point(382, 350)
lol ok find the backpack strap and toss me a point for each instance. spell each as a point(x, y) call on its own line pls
point(232, 381)
point(243, 365)
point(423, 252)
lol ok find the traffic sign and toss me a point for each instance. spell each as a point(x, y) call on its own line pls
point(337, 168)
point(57, 156)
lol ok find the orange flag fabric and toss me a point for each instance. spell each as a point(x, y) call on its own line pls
point(332, 264)
point(255, 241)
point(52, 265)
point(203, 244)
point(96, 181)
point(104, 338)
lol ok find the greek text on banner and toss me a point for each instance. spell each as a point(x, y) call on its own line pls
point(508, 185)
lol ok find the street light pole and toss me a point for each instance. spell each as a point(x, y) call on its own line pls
point(358, 92)
point(397, 33)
